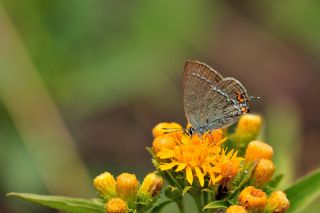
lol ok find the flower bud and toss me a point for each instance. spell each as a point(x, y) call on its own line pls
point(277, 202)
point(263, 172)
point(116, 205)
point(257, 150)
point(127, 186)
point(105, 185)
point(163, 142)
point(163, 128)
point(252, 199)
point(151, 185)
point(236, 209)
point(249, 124)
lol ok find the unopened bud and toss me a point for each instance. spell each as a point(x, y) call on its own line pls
point(127, 186)
point(163, 142)
point(236, 209)
point(163, 128)
point(249, 124)
point(277, 202)
point(116, 205)
point(263, 173)
point(151, 186)
point(257, 150)
point(105, 185)
point(252, 199)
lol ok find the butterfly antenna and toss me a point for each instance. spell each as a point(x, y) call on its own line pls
point(253, 97)
point(171, 130)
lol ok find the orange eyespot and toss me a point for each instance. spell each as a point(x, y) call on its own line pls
point(244, 109)
point(240, 97)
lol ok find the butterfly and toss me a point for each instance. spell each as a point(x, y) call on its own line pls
point(210, 100)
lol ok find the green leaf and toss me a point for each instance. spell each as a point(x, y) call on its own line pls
point(149, 149)
point(207, 190)
point(159, 207)
point(172, 192)
point(186, 189)
point(216, 205)
point(242, 178)
point(275, 181)
point(72, 205)
point(304, 191)
point(273, 184)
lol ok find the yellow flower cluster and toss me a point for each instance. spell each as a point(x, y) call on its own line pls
point(123, 193)
point(207, 159)
point(195, 156)
point(252, 199)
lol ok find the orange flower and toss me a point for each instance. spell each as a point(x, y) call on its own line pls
point(257, 150)
point(252, 199)
point(193, 158)
point(192, 155)
point(229, 165)
point(127, 186)
point(249, 124)
point(151, 186)
point(105, 185)
point(166, 128)
point(163, 142)
point(263, 172)
point(116, 205)
point(277, 202)
point(236, 209)
point(196, 155)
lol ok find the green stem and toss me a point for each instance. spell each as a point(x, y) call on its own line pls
point(175, 182)
point(180, 205)
point(205, 198)
point(197, 199)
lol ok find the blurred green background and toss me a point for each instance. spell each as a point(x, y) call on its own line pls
point(83, 82)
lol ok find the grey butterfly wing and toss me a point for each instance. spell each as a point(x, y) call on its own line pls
point(210, 101)
point(223, 104)
point(233, 88)
point(198, 77)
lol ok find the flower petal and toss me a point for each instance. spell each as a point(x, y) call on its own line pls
point(167, 166)
point(181, 166)
point(219, 177)
point(166, 154)
point(216, 169)
point(229, 155)
point(200, 176)
point(214, 179)
point(185, 139)
point(189, 175)
point(222, 141)
point(204, 169)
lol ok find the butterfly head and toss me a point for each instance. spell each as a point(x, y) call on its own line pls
point(190, 131)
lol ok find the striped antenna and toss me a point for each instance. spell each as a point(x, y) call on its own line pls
point(171, 130)
point(253, 97)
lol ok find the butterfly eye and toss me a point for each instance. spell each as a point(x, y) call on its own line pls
point(190, 131)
